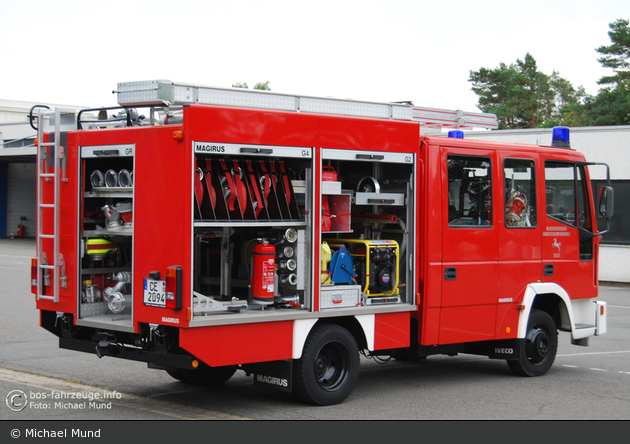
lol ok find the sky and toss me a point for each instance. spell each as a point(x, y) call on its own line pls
point(75, 52)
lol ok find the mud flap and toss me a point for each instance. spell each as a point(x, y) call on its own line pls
point(505, 349)
point(275, 374)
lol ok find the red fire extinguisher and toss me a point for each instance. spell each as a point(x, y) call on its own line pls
point(20, 230)
point(263, 273)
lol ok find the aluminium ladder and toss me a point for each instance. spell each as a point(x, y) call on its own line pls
point(167, 93)
point(51, 167)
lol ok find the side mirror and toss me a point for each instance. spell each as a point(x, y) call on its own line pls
point(606, 202)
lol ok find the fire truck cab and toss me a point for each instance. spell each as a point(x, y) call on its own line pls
point(205, 230)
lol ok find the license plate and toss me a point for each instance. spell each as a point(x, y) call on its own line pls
point(155, 292)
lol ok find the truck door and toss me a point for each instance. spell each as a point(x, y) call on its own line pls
point(470, 245)
point(520, 246)
point(568, 253)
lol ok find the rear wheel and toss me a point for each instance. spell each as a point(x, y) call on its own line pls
point(539, 348)
point(204, 375)
point(329, 368)
point(176, 374)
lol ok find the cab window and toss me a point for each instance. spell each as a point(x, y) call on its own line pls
point(520, 193)
point(469, 191)
point(567, 200)
point(560, 191)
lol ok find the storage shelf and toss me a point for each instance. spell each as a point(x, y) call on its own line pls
point(126, 231)
point(248, 223)
point(117, 192)
point(104, 270)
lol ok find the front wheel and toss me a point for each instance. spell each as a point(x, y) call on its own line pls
point(329, 368)
point(539, 348)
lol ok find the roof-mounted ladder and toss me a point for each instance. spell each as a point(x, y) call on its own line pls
point(51, 170)
point(167, 93)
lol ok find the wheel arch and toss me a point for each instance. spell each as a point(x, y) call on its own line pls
point(550, 298)
point(360, 327)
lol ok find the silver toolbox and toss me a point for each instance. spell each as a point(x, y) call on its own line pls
point(337, 296)
point(329, 187)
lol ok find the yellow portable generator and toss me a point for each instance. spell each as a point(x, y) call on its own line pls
point(375, 263)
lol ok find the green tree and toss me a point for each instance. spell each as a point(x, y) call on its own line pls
point(520, 95)
point(565, 93)
point(617, 55)
point(611, 106)
point(258, 85)
point(495, 90)
point(263, 86)
point(568, 109)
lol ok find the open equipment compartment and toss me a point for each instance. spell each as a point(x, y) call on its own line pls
point(367, 203)
point(252, 229)
point(106, 235)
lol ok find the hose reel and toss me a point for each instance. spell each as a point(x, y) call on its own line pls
point(368, 184)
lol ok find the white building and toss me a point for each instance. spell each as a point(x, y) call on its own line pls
point(18, 181)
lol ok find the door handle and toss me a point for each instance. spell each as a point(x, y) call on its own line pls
point(548, 270)
point(450, 273)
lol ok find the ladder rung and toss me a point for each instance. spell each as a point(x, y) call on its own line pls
point(47, 236)
point(46, 143)
point(48, 267)
point(47, 175)
point(43, 205)
point(41, 296)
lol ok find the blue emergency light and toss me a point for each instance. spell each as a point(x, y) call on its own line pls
point(456, 134)
point(560, 137)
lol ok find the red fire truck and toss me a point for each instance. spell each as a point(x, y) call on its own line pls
point(206, 230)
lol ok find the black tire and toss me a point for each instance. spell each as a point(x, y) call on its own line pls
point(329, 368)
point(539, 348)
point(176, 374)
point(204, 375)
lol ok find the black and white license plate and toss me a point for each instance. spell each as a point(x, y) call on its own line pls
point(155, 292)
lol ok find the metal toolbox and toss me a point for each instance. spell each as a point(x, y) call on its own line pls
point(338, 296)
point(331, 187)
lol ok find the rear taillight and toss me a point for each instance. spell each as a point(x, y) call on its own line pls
point(34, 276)
point(174, 287)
